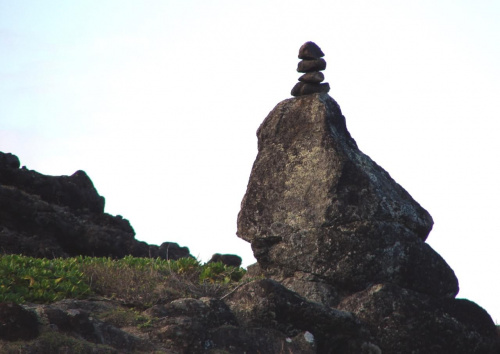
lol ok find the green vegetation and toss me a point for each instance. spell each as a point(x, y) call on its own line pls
point(41, 280)
point(136, 281)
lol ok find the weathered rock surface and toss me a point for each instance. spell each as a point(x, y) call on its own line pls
point(302, 88)
point(402, 319)
point(227, 259)
point(266, 303)
point(343, 266)
point(328, 223)
point(307, 66)
point(60, 216)
point(259, 317)
point(315, 77)
point(316, 204)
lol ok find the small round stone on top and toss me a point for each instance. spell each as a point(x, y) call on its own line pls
point(310, 50)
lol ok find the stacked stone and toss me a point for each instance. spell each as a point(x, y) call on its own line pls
point(311, 65)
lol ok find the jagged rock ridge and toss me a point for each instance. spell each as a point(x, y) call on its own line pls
point(61, 216)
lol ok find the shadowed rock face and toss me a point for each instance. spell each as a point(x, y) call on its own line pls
point(401, 319)
point(316, 204)
point(60, 216)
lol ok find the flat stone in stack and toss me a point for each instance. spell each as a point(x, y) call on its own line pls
point(311, 65)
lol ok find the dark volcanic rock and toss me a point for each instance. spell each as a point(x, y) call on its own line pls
point(316, 204)
point(228, 259)
point(306, 66)
point(16, 322)
point(79, 319)
point(333, 227)
point(60, 216)
point(9, 160)
point(76, 191)
point(267, 304)
point(310, 50)
point(314, 77)
point(205, 325)
point(171, 250)
point(311, 65)
point(401, 319)
point(304, 88)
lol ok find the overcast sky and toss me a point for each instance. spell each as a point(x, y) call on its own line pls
point(159, 102)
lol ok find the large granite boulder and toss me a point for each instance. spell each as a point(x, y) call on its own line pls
point(317, 207)
point(329, 224)
point(61, 216)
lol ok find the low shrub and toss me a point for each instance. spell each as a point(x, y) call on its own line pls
point(135, 281)
point(41, 280)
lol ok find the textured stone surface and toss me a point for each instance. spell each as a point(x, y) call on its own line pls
point(227, 259)
point(311, 64)
point(401, 319)
point(267, 304)
point(306, 66)
point(60, 216)
point(316, 204)
point(305, 88)
point(332, 227)
point(259, 317)
point(310, 50)
point(314, 77)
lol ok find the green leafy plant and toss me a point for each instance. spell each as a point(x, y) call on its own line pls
point(41, 280)
point(219, 272)
point(136, 281)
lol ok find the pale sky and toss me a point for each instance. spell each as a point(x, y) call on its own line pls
point(159, 102)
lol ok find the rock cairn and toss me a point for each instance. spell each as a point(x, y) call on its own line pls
point(311, 65)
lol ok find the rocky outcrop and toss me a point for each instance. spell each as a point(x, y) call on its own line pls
point(343, 266)
point(267, 304)
point(402, 319)
point(60, 216)
point(328, 223)
point(227, 259)
point(258, 317)
point(261, 316)
point(318, 209)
